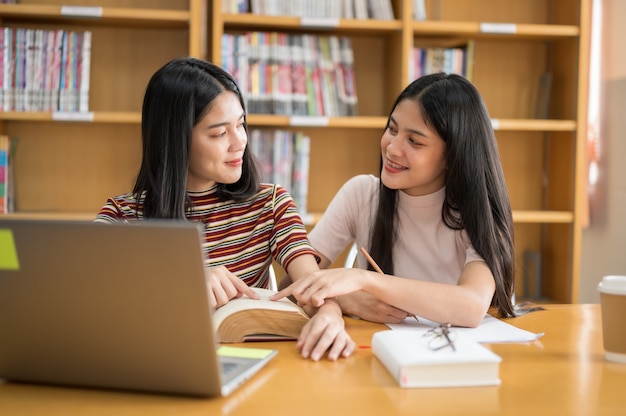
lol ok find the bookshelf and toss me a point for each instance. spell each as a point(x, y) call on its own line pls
point(514, 44)
point(69, 168)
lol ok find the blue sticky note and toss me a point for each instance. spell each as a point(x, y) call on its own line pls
point(8, 253)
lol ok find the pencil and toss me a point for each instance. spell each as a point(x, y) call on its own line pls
point(379, 270)
point(371, 261)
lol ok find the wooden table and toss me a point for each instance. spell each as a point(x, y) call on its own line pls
point(563, 373)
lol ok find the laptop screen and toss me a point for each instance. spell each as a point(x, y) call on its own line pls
point(119, 306)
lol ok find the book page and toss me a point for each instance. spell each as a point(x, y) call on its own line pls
point(490, 330)
point(245, 302)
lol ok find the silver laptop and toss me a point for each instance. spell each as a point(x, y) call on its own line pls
point(111, 306)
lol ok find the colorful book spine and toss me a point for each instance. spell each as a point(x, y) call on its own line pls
point(283, 86)
point(254, 72)
point(309, 74)
point(44, 70)
point(349, 78)
point(454, 60)
point(322, 9)
point(292, 74)
point(299, 83)
point(300, 169)
point(265, 71)
point(283, 157)
point(20, 69)
point(2, 61)
point(85, 71)
point(327, 81)
point(4, 174)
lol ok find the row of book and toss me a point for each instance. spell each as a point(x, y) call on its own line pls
point(293, 74)
point(284, 159)
point(7, 150)
point(325, 9)
point(456, 60)
point(44, 70)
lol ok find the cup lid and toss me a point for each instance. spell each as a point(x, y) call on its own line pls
point(613, 284)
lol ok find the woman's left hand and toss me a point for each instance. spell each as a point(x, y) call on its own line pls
point(325, 331)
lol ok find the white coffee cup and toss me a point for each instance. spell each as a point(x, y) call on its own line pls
point(613, 304)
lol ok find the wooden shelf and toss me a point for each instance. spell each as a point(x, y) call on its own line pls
point(255, 22)
point(270, 120)
point(546, 217)
point(51, 215)
point(313, 218)
point(380, 122)
point(91, 117)
point(267, 120)
point(498, 30)
point(109, 15)
point(533, 125)
point(519, 217)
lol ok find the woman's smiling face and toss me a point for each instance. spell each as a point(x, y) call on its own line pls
point(217, 144)
point(413, 154)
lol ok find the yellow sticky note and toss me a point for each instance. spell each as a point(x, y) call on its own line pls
point(238, 352)
point(8, 254)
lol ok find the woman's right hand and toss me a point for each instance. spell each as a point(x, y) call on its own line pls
point(222, 286)
point(345, 286)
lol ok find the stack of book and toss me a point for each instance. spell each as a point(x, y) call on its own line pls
point(44, 70)
point(330, 9)
point(456, 60)
point(292, 74)
point(284, 159)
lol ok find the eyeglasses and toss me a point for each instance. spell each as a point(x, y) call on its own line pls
point(441, 337)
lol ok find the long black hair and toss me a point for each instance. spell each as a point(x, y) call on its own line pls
point(476, 197)
point(177, 97)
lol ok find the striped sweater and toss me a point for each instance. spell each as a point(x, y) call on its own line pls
point(242, 236)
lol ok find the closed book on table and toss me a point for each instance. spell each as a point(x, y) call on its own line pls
point(411, 360)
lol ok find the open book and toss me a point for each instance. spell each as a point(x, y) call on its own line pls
point(244, 319)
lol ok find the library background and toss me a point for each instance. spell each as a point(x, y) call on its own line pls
point(319, 80)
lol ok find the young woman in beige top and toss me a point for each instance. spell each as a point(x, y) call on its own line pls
point(438, 220)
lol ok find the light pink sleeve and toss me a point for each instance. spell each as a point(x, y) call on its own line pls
point(343, 220)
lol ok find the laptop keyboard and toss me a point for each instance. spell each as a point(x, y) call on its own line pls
point(228, 367)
